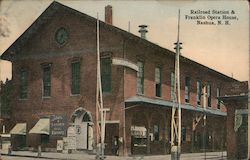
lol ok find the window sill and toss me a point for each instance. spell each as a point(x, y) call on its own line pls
point(23, 99)
point(46, 97)
point(161, 98)
point(106, 93)
point(75, 95)
point(140, 94)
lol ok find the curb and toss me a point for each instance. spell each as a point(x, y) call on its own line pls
point(15, 155)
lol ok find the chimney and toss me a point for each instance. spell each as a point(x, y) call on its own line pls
point(143, 31)
point(108, 14)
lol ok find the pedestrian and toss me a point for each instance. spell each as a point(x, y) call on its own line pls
point(9, 150)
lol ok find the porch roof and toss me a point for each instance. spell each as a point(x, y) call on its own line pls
point(169, 104)
point(240, 97)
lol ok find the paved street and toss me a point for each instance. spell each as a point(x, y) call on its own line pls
point(25, 155)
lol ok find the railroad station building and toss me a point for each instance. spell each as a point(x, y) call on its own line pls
point(54, 74)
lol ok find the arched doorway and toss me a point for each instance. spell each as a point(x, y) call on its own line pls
point(83, 123)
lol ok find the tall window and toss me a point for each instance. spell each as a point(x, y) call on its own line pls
point(75, 77)
point(209, 92)
point(187, 89)
point(158, 81)
point(156, 133)
point(199, 92)
point(183, 134)
point(140, 78)
point(46, 80)
point(106, 74)
point(23, 84)
point(218, 95)
point(172, 86)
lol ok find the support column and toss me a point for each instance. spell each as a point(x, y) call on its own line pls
point(127, 140)
point(148, 138)
point(148, 131)
point(192, 134)
point(231, 135)
point(165, 132)
point(213, 139)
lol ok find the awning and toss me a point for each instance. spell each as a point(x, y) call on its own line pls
point(160, 102)
point(41, 127)
point(19, 129)
point(241, 97)
point(5, 135)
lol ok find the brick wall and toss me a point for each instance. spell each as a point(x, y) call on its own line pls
point(152, 58)
point(42, 48)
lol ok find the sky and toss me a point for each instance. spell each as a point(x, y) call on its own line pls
point(224, 48)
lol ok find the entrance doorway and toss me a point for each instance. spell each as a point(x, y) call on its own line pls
point(241, 138)
point(112, 139)
point(82, 121)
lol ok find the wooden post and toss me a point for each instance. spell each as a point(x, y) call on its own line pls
point(1, 143)
point(99, 99)
point(249, 116)
point(176, 115)
point(149, 118)
point(148, 139)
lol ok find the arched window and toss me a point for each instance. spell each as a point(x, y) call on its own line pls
point(86, 118)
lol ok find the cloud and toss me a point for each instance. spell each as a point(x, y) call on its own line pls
point(4, 27)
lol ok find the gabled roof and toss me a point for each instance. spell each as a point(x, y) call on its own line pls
point(56, 6)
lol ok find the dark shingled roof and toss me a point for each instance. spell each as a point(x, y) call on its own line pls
point(55, 6)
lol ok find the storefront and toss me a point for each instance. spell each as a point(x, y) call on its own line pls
point(18, 136)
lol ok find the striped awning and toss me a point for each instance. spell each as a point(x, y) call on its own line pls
point(41, 127)
point(19, 129)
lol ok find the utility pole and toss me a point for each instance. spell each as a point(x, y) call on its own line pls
point(0, 89)
point(99, 103)
point(176, 109)
point(0, 104)
point(204, 119)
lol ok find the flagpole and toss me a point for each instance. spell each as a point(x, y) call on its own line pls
point(97, 87)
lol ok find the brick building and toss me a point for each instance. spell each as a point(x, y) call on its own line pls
point(236, 100)
point(54, 73)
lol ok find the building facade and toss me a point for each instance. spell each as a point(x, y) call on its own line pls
point(237, 120)
point(54, 74)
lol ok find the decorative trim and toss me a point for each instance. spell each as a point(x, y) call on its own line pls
point(125, 63)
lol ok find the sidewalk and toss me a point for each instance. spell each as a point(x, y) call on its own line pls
point(84, 156)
